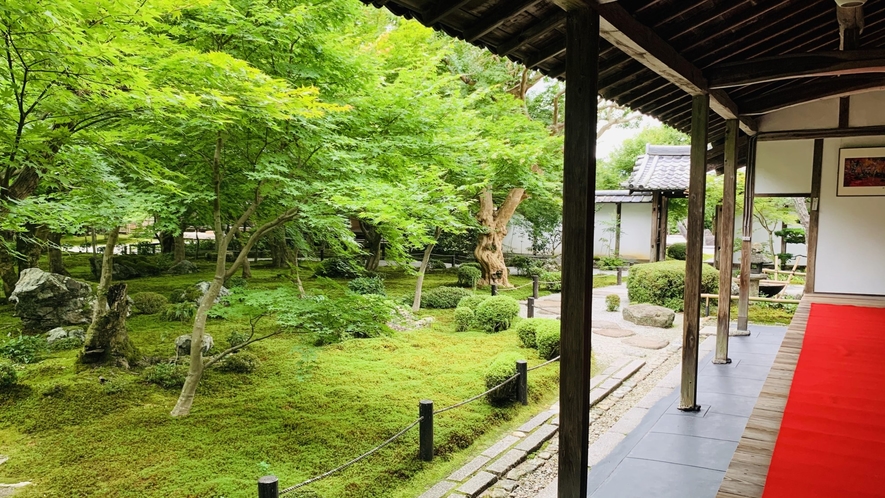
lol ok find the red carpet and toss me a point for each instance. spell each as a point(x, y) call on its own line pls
point(832, 440)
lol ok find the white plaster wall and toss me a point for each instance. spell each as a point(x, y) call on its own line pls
point(811, 116)
point(635, 231)
point(867, 109)
point(517, 241)
point(784, 167)
point(604, 241)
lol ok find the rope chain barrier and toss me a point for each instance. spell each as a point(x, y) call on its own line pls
point(470, 400)
point(543, 364)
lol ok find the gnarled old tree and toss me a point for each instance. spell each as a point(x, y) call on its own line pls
point(489, 250)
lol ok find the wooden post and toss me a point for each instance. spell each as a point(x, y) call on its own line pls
point(536, 286)
point(664, 209)
point(425, 430)
point(717, 233)
point(747, 240)
point(726, 240)
point(620, 275)
point(618, 230)
point(268, 487)
point(694, 252)
point(655, 247)
point(811, 236)
point(494, 289)
point(530, 308)
point(522, 391)
point(579, 185)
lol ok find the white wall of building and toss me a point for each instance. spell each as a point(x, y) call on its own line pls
point(636, 231)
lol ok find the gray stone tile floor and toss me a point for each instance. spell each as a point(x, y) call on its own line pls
point(677, 454)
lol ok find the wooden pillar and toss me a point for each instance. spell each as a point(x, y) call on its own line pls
point(654, 247)
point(663, 208)
point(717, 236)
point(579, 186)
point(618, 230)
point(694, 252)
point(725, 233)
point(747, 240)
point(811, 236)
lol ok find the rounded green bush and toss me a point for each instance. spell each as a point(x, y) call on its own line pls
point(338, 267)
point(463, 318)
point(8, 374)
point(612, 302)
point(165, 375)
point(528, 328)
point(472, 301)
point(547, 339)
point(190, 294)
point(663, 283)
point(242, 362)
point(499, 370)
point(444, 297)
point(677, 251)
point(179, 312)
point(468, 275)
point(496, 313)
point(149, 303)
point(367, 285)
point(552, 281)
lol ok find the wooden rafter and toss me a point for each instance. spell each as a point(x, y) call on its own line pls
point(441, 9)
point(782, 67)
point(532, 34)
point(495, 17)
point(810, 92)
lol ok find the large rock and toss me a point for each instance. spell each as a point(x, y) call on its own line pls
point(184, 267)
point(45, 301)
point(204, 288)
point(60, 333)
point(649, 315)
point(183, 344)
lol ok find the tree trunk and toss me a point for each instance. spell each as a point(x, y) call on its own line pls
point(56, 263)
point(489, 250)
point(7, 263)
point(802, 211)
point(167, 242)
point(30, 246)
point(178, 251)
point(373, 246)
point(419, 285)
point(297, 272)
point(107, 340)
point(94, 243)
point(247, 269)
point(279, 251)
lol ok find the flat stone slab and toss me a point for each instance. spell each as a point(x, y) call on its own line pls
point(499, 447)
point(614, 332)
point(537, 438)
point(439, 490)
point(603, 446)
point(503, 465)
point(479, 483)
point(602, 324)
point(645, 342)
point(469, 468)
point(536, 421)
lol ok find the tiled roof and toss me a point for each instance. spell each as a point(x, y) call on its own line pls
point(622, 196)
point(662, 167)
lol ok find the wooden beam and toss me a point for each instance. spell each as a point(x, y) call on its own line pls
point(814, 221)
point(532, 34)
point(579, 185)
point(860, 131)
point(694, 252)
point(495, 17)
point(747, 240)
point(790, 66)
point(726, 239)
point(441, 9)
point(809, 92)
point(544, 56)
point(618, 210)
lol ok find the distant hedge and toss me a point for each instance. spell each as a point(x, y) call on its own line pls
point(663, 283)
point(677, 251)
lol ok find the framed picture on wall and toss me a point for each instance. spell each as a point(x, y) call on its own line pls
point(861, 172)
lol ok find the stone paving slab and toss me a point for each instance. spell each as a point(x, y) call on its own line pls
point(536, 421)
point(478, 483)
point(616, 333)
point(629, 370)
point(630, 420)
point(603, 446)
point(439, 490)
point(646, 342)
point(537, 438)
point(510, 459)
point(469, 468)
point(499, 447)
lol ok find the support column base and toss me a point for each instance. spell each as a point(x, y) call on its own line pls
point(738, 333)
point(695, 408)
point(717, 361)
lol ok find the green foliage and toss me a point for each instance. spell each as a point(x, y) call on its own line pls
point(527, 330)
point(610, 263)
point(8, 374)
point(444, 297)
point(242, 362)
point(663, 283)
point(552, 281)
point(179, 312)
point(472, 301)
point(331, 320)
point(149, 303)
point(792, 235)
point(367, 285)
point(468, 275)
point(612, 302)
point(66, 344)
point(463, 318)
point(338, 267)
point(236, 283)
point(499, 370)
point(24, 349)
point(165, 375)
point(190, 294)
point(496, 313)
point(236, 338)
point(677, 251)
point(547, 339)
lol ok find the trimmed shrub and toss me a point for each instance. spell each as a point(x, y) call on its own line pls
point(612, 302)
point(463, 318)
point(338, 267)
point(149, 303)
point(472, 301)
point(190, 294)
point(496, 313)
point(25, 349)
point(367, 285)
point(242, 362)
point(436, 264)
point(499, 370)
point(663, 283)
point(468, 275)
point(527, 329)
point(547, 339)
point(552, 281)
point(165, 375)
point(179, 312)
point(236, 282)
point(444, 297)
point(8, 374)
point(677, 251)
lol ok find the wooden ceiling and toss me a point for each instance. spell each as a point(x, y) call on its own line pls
point(709, 34)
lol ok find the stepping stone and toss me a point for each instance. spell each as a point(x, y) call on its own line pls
point(614, 332)
point(602, 324)
point(646, 342)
